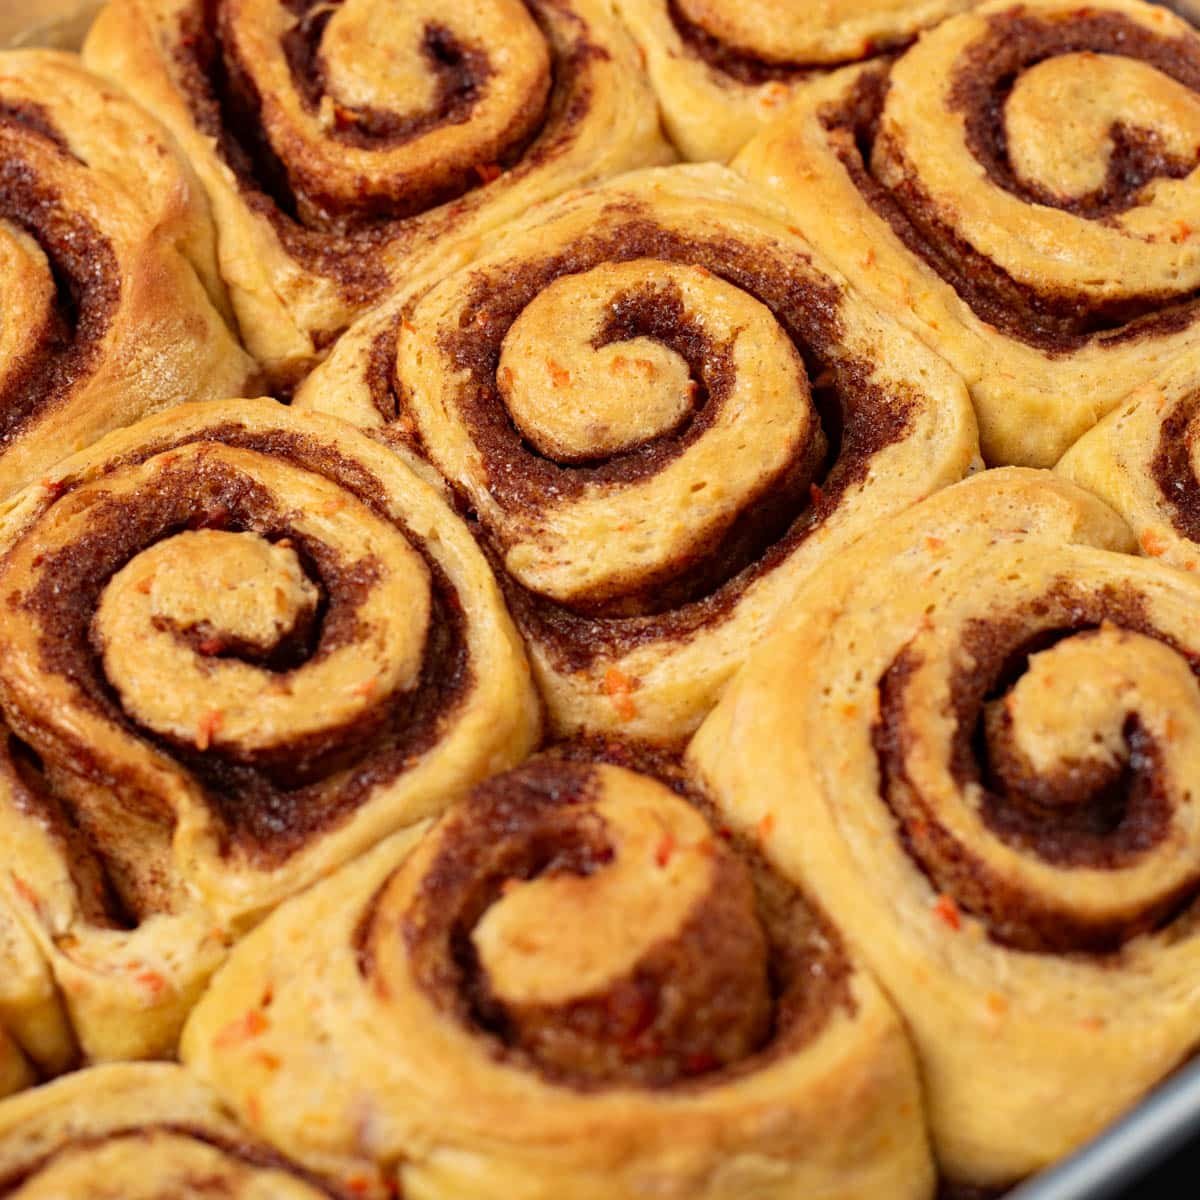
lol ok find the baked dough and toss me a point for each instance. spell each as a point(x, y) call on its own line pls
point(112, 300)
point(241, 646)
point(340, 162)
point(1042, 235)
point(977, 743)
point(572, 987)
point(665, 410)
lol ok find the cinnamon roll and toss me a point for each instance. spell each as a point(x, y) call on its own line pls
point(1020, 189)
point(107, 264)
point(347, 146)
point(977, 743)
point(573, 986)
point(723, 68)
point(662, 411)
point(240, 646)
point(142, 1132)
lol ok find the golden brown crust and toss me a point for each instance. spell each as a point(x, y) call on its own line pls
point(723, 68)
point(108, 265)
point(1051, 261)
point(186, 755)
point(686, 1022)
point(976, 739)
point(145, 1133)
point(328, 183)
point(663, 411)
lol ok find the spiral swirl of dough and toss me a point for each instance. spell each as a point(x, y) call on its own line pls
point(348, 145)
point(979, 735)
point(664, 412)
point(573, 985)
point(111, 295)
point(1022, 190)
point(241, 646)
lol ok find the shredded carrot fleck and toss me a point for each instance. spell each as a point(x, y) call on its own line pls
point(152, 981)
point(365, 687)
point(241, 1029)
point(766, 826)
point(54, 487)
point(850, 711)
point(946, 911)
point(265, 1058)
point(253, 1109)
point(506, 378)
point(642, 56)
point(1092, 1024)
point(209, 727)
point(359, 1185)
point(997, 1004)
point(934, 544)
point(666, 847)
point(559, 374)
point(774, 94)
point(869, 257)
point(1183, 231)
point(407, 325)
point(816, 495)
point(1153, 543)
point(488, 172)
point(211, 646)
point(617, 687)
point(332, 506)
point(25, 891)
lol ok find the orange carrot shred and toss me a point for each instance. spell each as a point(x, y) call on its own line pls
point(947, 912)
point(666, 847)
point(209, 727)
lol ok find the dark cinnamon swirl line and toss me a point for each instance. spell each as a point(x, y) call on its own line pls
point(100, 902)
point(65, 348)
point(270, 804)
point(753, 975)
point(1018, 40)
point(1171, 469)
point(858, 417)
point(1079, 815)
point(250, 1154)
point(1055, 322)
point(743, 65)
point(225, 104)
point(461, 72)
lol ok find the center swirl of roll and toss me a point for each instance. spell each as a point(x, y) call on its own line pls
point(646, 426)
point(222, 621)
point(1090, 131)
point(1048, 790)
point(654, 964)
point(377, 109)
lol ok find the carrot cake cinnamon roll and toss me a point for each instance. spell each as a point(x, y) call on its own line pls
point(1020, 189)
point(977, 740)
point(574, 986)
point(112, 301)
point(240, 646)
point(344, 143)
point(662, 410)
